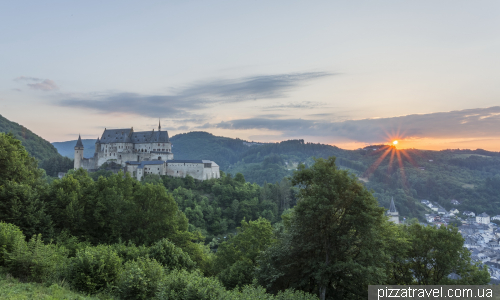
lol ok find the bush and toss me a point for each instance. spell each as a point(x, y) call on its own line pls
point(171, 256)
point(35, 261)
point(130, 251)
point(182, 285)
point(140, 279)
point(95, 269)
point(10, 235)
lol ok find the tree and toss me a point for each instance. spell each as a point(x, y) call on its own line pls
point(430, 255)
point(332, 244)
point(236, 259)
point(21, 187)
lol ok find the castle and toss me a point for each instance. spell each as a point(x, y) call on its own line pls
point(141, 153)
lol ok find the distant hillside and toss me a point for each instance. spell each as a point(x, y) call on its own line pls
point(47, 155)
point(68, 148)
point(203, 145)
point(35, 145)
point(470, 176)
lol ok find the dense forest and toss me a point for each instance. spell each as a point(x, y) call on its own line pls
point(320, 234)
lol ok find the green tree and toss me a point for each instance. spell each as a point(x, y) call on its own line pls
point(236, 259)
point(430, 254)
point(21, 187)
point(333, 240)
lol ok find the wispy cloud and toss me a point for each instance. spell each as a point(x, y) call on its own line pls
point(297, 105)
point(46, 85)
point(469, 123)
point(38, 83)
point(196, 96)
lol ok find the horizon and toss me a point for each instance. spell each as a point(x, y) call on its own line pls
point(341, 74)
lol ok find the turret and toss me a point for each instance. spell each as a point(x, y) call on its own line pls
point(97, 145)
point(78, 153)
point(392, 212)
point(159, 126)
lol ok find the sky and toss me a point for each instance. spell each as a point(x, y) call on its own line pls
point(345, 73)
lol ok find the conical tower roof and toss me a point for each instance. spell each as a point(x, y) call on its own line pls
point(98, 140)
point(79, 142)
point(392, 207)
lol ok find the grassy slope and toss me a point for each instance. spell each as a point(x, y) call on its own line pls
point(12, 289)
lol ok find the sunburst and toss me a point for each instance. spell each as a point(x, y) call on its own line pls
point(393, 140)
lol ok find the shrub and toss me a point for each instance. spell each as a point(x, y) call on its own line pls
point(10, 235)
point(171, 256)
point(182, 285)
point(140, 279)
point(95, 269)
point(35, 261)
point(130, 251)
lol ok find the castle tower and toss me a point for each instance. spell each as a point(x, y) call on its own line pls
point(97, 145)
point(392, 213)
point(78, 153)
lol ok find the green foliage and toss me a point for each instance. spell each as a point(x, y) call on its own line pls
point(183, 285)
point(427, 255)
point(13, 289)
point(130, 251)
point(203, 145)
point(20, 188)
point(94, 269)
point(170, 256)
point(35, 145)
point(333, 242)
point(56, 164)
point(140, 279)
point(35, 261)
point(236, 259)
point(10, 237)
point(16, 165)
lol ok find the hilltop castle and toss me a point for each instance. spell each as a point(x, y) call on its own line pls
point(141, 153)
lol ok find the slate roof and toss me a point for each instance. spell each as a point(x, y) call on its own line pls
point(189, 161)
point(392, 207)
point(483, 215)
point(79, 142)
point(97, 141)
point(129, 136)
point(144, 163)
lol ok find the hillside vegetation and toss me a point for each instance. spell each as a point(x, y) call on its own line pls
point(178, 238)
point(469, 176)
point(47, 155)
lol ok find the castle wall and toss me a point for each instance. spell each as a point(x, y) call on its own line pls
point(195, 170)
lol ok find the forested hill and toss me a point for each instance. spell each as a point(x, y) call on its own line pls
point(49, 159)
point(469, 176)
point(35, 145)
point(203, 145)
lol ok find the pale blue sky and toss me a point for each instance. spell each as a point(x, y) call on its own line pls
point(338, 72)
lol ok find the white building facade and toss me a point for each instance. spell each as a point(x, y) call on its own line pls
point(142, 153)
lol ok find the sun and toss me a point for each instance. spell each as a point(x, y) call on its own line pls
point(395, 143)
